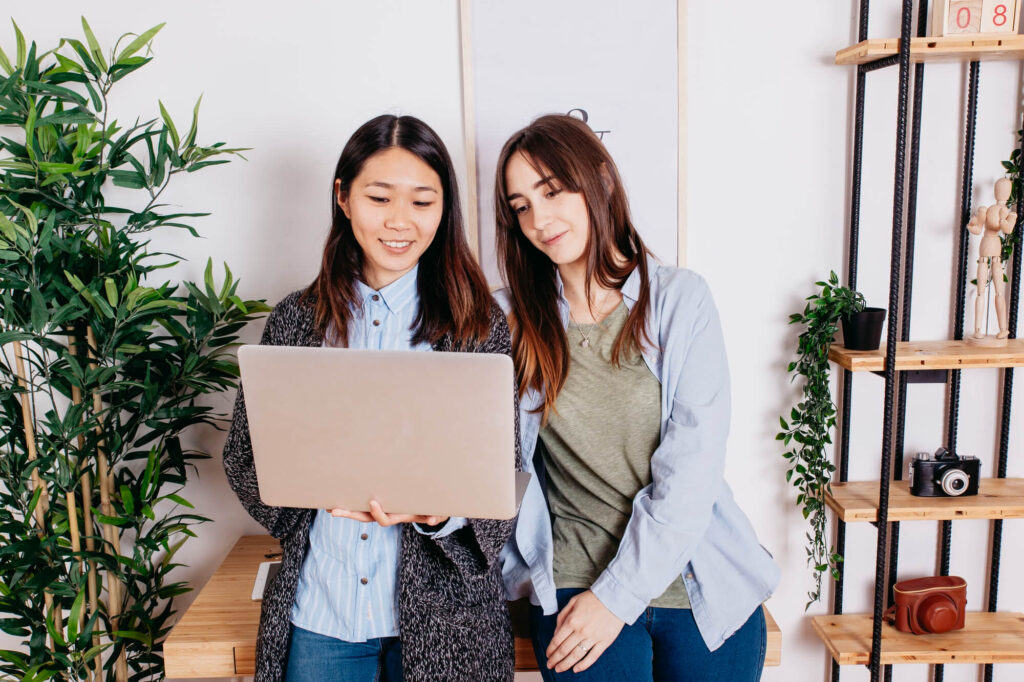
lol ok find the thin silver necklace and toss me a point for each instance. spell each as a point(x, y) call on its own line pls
point(585, 343)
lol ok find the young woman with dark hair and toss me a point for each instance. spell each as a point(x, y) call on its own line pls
point(373, 596)
point(638, 562)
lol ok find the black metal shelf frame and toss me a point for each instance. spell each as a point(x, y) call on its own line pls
point(895, 405)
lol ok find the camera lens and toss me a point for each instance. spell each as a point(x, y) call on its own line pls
point(954, 482)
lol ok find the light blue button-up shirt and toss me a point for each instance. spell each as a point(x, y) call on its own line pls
point(349, 578)
point(686, 521)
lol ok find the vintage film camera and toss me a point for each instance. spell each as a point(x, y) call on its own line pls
point(943, 474)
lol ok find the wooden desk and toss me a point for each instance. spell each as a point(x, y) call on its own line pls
point(216, 636)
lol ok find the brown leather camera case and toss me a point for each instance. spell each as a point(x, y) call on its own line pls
point(929, 605)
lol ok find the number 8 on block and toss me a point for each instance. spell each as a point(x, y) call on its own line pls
point(960, 17)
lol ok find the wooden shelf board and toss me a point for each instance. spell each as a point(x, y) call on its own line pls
point(987, 638)
point(937, 49)
point(913, 355)
point(997, 498)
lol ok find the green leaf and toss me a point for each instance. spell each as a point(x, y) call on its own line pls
point(57, 635)
point(83, 53)
point(39, 312)
point(130, 634)
point(76, 115)
point(180, 500)
point(11, 230)
point(129, 65)
point(128, 500)
point(129, 179)
point(94, 45)
point(30, 218)
point(68, 65)
point(57, 91)
point(139, 42)
point(30, 130)
point(239, 304)
point(147, 477)
point(190, 138)
point(6, 63)
point(111, 290)
point(58, 167)
point(75, 281)
point(75, 615)
point(53, 179)
point(110, 520)
point(98, 304)
point(170, 124)
point(20, 37)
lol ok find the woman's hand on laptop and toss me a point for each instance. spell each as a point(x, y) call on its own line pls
point(378, 515)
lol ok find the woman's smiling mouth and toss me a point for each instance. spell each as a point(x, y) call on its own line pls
point(396, 245)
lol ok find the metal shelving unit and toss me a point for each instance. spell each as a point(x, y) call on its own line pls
point(990, 637)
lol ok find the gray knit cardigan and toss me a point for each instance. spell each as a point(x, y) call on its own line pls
point(453, 616)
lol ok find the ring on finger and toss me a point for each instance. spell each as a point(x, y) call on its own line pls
point(583, 646)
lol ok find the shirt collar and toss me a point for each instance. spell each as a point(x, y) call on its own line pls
point(396, 296)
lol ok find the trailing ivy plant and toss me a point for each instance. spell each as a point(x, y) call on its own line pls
point(807, 432)
point(1013, 169)
point(102, 364)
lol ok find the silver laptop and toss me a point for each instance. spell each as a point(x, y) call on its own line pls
point(421, 432)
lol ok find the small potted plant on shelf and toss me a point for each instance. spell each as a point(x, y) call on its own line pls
point(807, 432)
point(862, 329)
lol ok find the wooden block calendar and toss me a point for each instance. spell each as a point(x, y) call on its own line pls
point(966, 17)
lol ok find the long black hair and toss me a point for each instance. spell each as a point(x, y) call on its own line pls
point(454, 297)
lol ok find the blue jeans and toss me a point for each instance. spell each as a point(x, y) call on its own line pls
point(663, 645)
point(318, 658)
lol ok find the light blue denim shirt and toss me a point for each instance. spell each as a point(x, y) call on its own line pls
point(686, 521)
point(348, 582)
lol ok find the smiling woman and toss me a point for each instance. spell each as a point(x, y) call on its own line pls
point(389, 163)
point(359, 594)
point(638, 562)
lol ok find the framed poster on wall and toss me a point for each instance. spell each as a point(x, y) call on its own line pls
point(532, 57)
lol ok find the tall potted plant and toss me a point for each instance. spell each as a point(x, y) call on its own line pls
point(807, 432)
point(101, 364)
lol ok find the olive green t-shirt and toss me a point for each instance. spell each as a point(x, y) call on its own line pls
point(597, 454)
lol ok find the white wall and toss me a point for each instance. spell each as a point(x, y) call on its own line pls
point(770, 130)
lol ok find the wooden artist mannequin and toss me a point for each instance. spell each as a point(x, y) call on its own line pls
point(992, 220)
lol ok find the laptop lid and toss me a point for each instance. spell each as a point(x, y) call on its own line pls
point(421, 432)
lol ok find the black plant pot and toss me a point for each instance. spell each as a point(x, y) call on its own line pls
point(863, 330)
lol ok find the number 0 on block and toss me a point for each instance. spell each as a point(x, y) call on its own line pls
point(958, 17)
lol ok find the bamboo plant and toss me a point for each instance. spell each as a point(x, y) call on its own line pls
point(102, 364)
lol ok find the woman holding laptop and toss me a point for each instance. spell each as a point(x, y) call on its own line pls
point(643, 566)
point(373, 596)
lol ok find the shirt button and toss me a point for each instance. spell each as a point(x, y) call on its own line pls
point(363, 536)
point(376, 323)
point(363, 580)
point(689, 576)
point(375, 297)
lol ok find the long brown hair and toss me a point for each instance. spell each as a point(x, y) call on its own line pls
point(566, 149)
point(454, 298)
